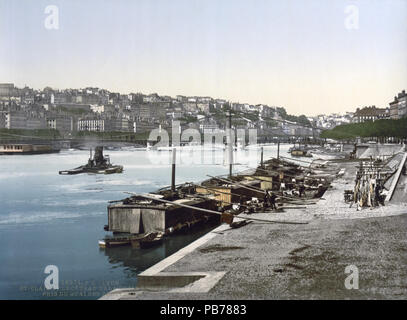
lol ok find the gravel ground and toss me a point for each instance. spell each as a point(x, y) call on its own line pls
point(306, 261)
point(275, 261)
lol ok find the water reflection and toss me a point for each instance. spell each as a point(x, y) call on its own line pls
point(58, 220)
point(136, 261)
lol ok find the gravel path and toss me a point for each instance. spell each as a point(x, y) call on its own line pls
point(275, 261)
point(305, 261)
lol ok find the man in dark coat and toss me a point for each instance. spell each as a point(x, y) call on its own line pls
point(273, 198)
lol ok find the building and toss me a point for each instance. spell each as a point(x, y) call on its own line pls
point(60, 123)
point(88, 99)
point(402, 107)
point(180, 98)
point(103, 108)
point(15, 120)
point(203, 107)
point(60, 98)
point(35, 123)
point(6, 89)
point(144, 126)
point(394, 112)
point(398, 107)
point(2, 120)
point(266, 111)
point(149, 111)
point(208, 126)
point(370, 114)
point(174, 114)
point(151, 98)
point(97, 125)
point(75, 107)
point(119, 124)
point(190, 107)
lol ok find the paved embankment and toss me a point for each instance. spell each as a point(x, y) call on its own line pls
point(291, 261)
point(279, 261)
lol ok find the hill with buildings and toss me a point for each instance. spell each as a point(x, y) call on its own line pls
point(382, 128)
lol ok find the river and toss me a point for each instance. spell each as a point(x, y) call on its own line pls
point(50, 219)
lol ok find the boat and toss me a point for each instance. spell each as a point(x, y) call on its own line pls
point(13, 149)
point(99, 164)
point(149, 240)
point(114, 242)
point(137, 241)
point(113, 169)
point(300, 152)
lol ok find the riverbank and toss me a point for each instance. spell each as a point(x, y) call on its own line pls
point(58, 219)
point(290, 261)
point(275, 261)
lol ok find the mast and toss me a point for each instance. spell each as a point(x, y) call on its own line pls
point(230, 144)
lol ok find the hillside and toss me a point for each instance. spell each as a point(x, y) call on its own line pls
point(379, 129)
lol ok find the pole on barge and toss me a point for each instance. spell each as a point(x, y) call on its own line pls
point(278, 149)
point(210, 211)
point(261, 158)
point(174, 158)
point(230, 143)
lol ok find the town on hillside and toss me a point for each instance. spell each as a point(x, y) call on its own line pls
point(70, 111)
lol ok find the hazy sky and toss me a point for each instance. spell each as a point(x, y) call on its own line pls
point(292, 53)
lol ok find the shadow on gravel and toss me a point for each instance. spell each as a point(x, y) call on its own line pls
point(216, 248)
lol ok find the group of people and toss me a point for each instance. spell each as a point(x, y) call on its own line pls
point(292, 190)
point(270, 197)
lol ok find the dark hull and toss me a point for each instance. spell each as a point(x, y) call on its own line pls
point(136, 241)
point(83, 169)
point(150, 243)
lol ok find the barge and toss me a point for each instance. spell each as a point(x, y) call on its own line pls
point(25, 149)
point(300, 152)
point(216, 200)
point(143, 241)
point(136, 215)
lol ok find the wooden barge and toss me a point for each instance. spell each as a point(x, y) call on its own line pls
point(229, 193)
point(169, 210)
point(138, 216)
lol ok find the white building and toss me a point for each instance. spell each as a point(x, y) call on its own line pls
point(97, 125)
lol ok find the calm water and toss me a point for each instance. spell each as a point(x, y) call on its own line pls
point(49, 219)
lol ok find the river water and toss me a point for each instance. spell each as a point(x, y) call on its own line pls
point(50, 219)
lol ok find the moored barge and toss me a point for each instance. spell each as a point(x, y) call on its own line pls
point(23, 149)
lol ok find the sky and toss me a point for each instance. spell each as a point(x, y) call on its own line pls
point(298, 54)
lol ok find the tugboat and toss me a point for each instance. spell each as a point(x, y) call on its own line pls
point(99, 164)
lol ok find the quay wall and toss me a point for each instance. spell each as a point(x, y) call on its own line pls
point(366, 151)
